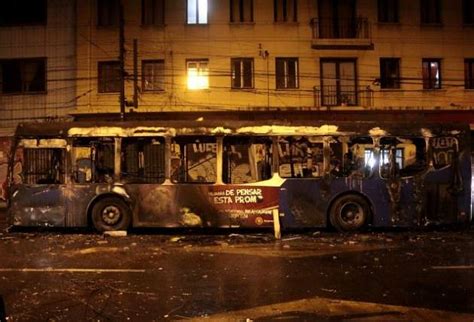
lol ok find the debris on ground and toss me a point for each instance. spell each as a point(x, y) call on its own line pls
point(116, 233)
point(291, 238)
point(176, 239)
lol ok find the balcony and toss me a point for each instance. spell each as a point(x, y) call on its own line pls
point(330, 33)
point(329, 96)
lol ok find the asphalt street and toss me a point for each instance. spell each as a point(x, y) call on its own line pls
point(233, 276)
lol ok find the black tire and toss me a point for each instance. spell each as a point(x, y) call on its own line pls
point(349, 213)
point(111, 214)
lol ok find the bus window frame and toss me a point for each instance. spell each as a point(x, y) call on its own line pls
point(182, 141)
point(293, 138)
point(91, 142)
point(268, 163)
point(397, 172)
point(136, 141)
point(44, 143)
point(432, 156)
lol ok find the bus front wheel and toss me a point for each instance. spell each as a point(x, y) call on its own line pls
point(349, 213)
point(110, 214)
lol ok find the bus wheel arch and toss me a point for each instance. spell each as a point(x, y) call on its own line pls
point(350, 211)
point(108, 212)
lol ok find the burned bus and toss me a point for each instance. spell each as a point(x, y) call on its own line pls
point(239, 174)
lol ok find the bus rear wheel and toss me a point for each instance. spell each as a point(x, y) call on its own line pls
point(110, 214)
point(349, 213)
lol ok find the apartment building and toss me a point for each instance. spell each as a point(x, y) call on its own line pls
point(37, 60)
point(234, 55)
point(37, 65)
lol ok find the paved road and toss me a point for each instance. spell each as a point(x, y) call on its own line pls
point(391, 276)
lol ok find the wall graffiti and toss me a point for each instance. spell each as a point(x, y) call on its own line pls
point(5, 144)
point(444, 148)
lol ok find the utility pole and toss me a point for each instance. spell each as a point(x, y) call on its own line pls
point(122, 61)
point(135, 73)
point(264, 54)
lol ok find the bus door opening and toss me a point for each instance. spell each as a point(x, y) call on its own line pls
point(403, 166)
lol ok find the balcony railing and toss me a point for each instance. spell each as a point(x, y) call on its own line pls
point(331, 95)
point(331, 32)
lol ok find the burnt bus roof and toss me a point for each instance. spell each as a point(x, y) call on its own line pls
point(232, 127)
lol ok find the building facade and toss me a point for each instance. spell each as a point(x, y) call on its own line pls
point(37, 60)
point(228, 55)
point(37, 65)
point(62, 58)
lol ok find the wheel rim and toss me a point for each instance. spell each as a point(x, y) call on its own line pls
point(111, 215)
point(352, 214)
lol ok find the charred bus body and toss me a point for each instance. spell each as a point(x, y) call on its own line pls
point(238, 174)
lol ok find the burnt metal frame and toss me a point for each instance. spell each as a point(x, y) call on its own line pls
point(74, 219)
point(157, 161)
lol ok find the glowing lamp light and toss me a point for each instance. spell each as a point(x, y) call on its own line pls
point(197, 79)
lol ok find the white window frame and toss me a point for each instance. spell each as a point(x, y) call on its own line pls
point(200, 9)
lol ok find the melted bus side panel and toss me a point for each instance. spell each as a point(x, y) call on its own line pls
point(40, 205)
point(190, 205)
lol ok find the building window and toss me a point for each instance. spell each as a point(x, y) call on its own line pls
point(388, 11)
point(468, 12)
point(153, 75)
point(337, 19)
point(197, 12)
point(389, 73)
point(338, 82)
point(109, 77)
point(23, 76)
point(107, 12)
point(241, 10)
point(286, 73)
point(242, 72)
point(430, 11)
point(431, 73)
point(23, 12)
point(285, 10)
point(153, 12)
point(198, 74)
point(469, 73)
